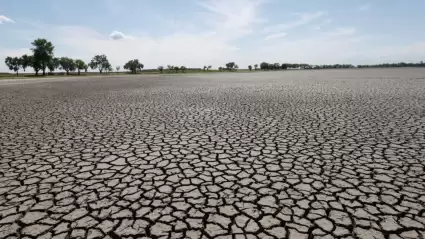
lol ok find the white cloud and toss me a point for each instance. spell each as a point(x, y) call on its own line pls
point(214, 45)
point(230, 20)
point(304, 18)
point(191, 50)
point(4, 19)
point(314, 49)
point(116, 35)
point(365, 7)
point(220, 24)
point(275, 36)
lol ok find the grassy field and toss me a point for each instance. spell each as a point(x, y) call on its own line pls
point(5, 75)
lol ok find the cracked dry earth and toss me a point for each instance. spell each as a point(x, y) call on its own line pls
point(302, 154)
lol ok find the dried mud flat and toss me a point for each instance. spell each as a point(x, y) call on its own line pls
point(301, 154)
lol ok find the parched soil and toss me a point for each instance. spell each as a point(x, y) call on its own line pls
point(294, 154)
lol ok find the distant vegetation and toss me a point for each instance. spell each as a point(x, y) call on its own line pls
point(43, 58)
point(133, 66)
point(401, 64)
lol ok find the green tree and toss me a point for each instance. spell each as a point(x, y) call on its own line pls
point(160, 68)
point(250, 67)
point(256, 66)
point(183, 68)
point(176, 69)
point(25, 61)
point(205, 68)
point(80, 65)
point(34, 64)
point(99, 62)
point(53, 64)
point(220, 68)
point(67, 64)
point(170, 67)
point(13, 63)
point(133, 66)
point(108, 68)
point(118, 68)
point(43, 53)
point(264, 66)
point(230, 65)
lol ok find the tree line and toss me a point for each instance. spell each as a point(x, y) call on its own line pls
point(285, 66)
point(400, 64)
point(43, 59)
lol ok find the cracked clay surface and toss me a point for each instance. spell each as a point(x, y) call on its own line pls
point(297, 155)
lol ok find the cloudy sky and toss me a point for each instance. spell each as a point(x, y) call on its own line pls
point(212, 32)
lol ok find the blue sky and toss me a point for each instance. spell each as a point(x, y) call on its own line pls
point(212, 32)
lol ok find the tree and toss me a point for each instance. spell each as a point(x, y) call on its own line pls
point(133, 66)
point(205, 68)
point(264, 66)
point(14, 64)
point(276, 66)
point(42, 53)
point(220, 68)
point(176, 68)
point(183, 68)
point(250, 67)
point(284, 66)
point(118, 68)
point(230, 65)
point(99, 62)
point(86, 68)
point(170, 67)
point(256, 66)
point(160, 68)
point(108, 67)
point(236, 67)
point(36, 65)
point(209, 67)
point(53, 64)
point(80, 65)
point(25, 61)
point(67, 64)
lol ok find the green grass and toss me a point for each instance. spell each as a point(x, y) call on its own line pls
point(5, 75)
